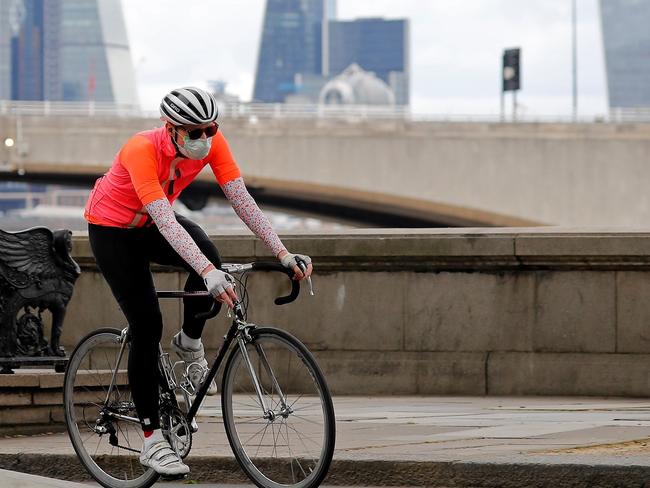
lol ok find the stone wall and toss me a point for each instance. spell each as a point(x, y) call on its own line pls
point(31, 400)
point(472, 312)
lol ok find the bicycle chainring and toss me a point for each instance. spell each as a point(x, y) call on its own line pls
point(176, 430)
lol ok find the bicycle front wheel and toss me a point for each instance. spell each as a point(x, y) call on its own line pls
point(277, 411)
point(95, 390)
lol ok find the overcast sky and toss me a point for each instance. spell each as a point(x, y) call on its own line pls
point(456, 49)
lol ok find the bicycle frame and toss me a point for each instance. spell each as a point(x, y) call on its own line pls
point(119, 359)
point(238, 330)
point(221, 354)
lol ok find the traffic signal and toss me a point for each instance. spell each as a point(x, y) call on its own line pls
point(511, 69)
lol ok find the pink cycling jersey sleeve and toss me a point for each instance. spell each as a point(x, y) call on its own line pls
point(162, 214)
point(248, 211)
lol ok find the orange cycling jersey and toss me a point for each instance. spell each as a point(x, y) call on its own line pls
point(148, 168)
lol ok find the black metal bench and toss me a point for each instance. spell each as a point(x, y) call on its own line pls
point(37, 273)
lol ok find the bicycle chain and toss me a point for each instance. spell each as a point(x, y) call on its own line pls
point(112, 440)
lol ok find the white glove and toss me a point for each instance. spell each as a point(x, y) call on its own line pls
point(217, 282)
point(290, 260)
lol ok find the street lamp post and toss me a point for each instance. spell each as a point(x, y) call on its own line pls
point(7, 146)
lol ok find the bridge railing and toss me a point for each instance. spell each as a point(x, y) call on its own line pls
point(231, 110)
point(640, 114)
point(78, 109)
point(255, 111)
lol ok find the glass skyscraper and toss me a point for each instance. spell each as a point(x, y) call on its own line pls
point(377, 45)
point(302, 46)
point(291, 45)
point(5, 51)
point(34, 43)
point(626, 36)
point(70, 50)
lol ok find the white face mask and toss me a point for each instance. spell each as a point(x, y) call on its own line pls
point(197, 149)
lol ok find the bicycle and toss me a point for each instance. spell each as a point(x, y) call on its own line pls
point(275, 402)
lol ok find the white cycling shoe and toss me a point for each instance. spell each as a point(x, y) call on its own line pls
point(163, 460)
point(196, 365)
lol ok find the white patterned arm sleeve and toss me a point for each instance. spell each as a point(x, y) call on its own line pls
point(248, 211)
point(162, 214)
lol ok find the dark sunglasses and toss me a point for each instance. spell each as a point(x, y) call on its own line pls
point(195, 134)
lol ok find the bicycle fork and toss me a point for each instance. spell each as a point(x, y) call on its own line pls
point(267, 412)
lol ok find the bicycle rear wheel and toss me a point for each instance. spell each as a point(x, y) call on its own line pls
point(293, 442)
point(108, 448)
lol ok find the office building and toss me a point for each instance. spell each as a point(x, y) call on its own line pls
point(626, 37)
point(377, 45)
point(5, 51)
point(291, 44)
point(303, 46)
point(34, 47)
point(68, 50)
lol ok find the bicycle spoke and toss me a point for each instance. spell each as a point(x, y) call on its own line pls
point(92, 433)
point(274, 452)
point(98, 380)
point(306, 419)
point(119, 428)
point(293, 475)
point(253, 421)
point(249, 405)
point(294, 402)
point(301, 438)
point(261, 440)
point(294, 457)
point(292, 442)
point(266, 426)
point(85, 396)
point(98, 443)
point(128, 441)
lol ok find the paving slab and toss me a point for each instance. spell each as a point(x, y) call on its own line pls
point(431, 441)
point(21, 480)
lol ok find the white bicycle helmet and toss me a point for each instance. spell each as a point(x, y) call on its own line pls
point(188, 106)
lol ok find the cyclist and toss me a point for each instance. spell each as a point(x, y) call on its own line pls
point(131, 224)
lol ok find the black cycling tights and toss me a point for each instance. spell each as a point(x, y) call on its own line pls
point(123, 256)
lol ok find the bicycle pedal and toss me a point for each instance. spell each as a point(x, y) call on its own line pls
point(194, 427)
point(174, 477)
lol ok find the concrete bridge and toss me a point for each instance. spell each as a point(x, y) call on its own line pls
point(389, 172)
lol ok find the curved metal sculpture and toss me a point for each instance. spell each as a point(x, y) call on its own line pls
point(37, 273)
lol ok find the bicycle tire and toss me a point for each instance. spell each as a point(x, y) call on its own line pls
point(272, 468)
point(82, 396)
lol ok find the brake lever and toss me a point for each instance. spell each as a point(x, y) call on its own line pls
point(303, 268)
point(232, 281)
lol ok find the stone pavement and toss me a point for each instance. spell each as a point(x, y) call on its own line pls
point(431, 441)
point(21, 480)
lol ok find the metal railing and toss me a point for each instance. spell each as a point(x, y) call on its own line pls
point(11, 107)
point(640, 114)
point(231, 110)
point(260, 111)
point(311, 111)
